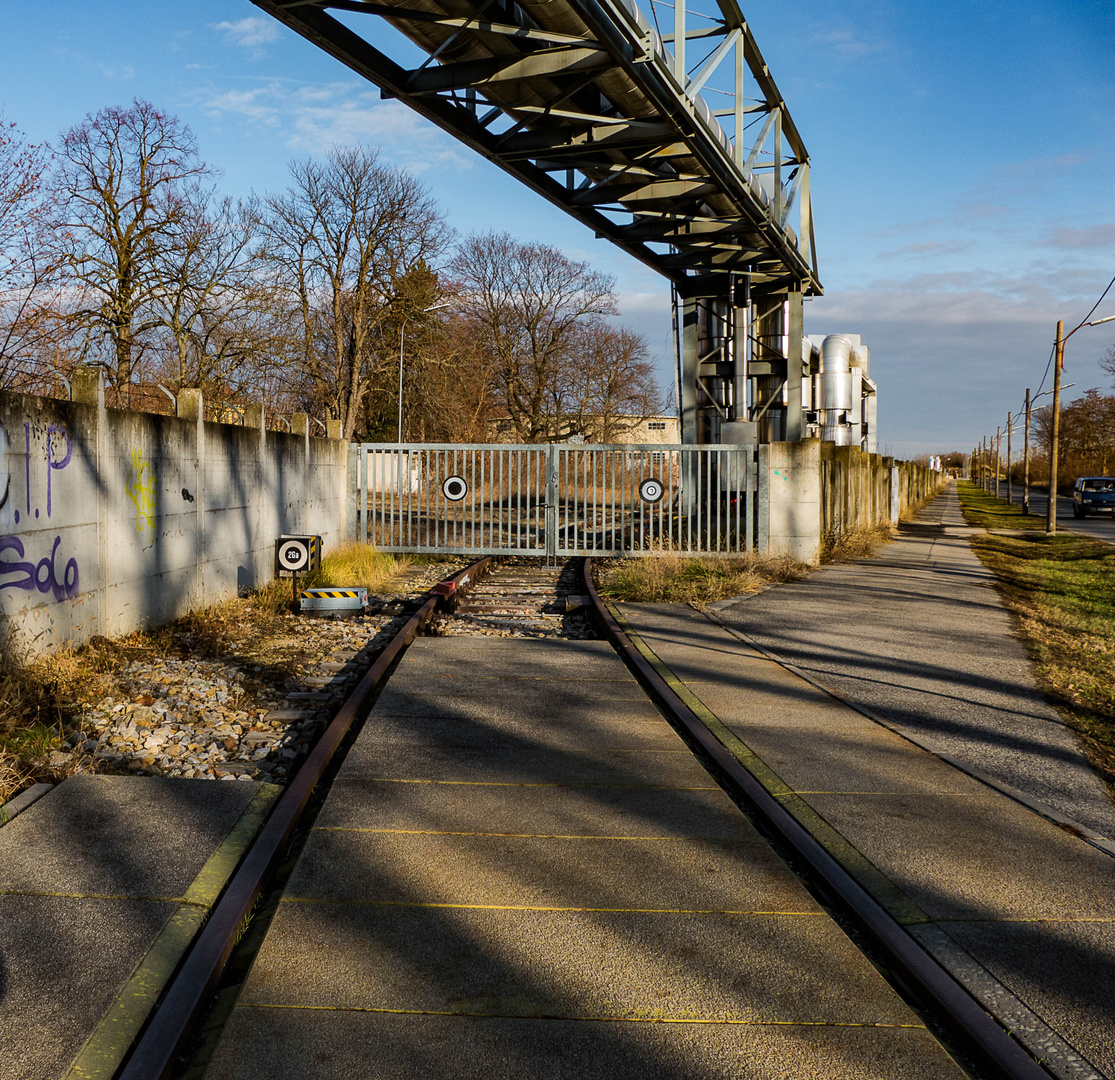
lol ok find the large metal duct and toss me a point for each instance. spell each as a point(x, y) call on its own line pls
point(836, 389)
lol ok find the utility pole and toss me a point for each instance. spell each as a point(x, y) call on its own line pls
point(998, 453)
point(1055, 430)
point(1026, 458)
point(1010, 492)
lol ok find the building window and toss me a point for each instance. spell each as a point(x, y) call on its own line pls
point(656, 425)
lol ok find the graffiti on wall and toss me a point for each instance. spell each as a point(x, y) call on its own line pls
point(47, 574)
point(141, 490)
point(42, 576)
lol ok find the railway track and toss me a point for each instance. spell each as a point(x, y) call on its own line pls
point(526, 599)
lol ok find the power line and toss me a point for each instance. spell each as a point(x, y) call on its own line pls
point(1096, 304)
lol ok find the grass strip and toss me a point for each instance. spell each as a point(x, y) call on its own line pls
point(674, 578)
point(985, 510)
point(1062, 587)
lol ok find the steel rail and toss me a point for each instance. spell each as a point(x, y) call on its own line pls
point(915, 969)
point(176, 1016)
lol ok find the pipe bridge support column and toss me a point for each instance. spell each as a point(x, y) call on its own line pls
point(795, 426)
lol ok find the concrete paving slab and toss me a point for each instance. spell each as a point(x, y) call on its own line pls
point(599, 964)
point(1074, 996)
point(975, 857)
point(533, 810)
point(119, 835)
point(920, 636)
point(465, 891)
point(262, 1044)
point(852, 757)
point(510, 735)
point(512, 697)
point(102, 884)
point(62, 960)
point(672, 767)
point(738, 875)
point(513, 657)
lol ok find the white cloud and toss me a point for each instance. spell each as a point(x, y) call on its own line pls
point(847, 44)
point(123, 72)
point(316, 117)
point(1090, 236)
point(249, 33)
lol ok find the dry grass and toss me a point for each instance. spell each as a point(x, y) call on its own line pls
point(862, 542)
point(680, 579)
point(1062, 588)
point(984, 509)
point(41, 701)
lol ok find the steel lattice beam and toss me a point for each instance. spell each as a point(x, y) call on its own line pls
point(586, 104)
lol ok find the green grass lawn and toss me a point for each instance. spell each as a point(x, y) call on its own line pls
point(981, 508)
point(1062, 588)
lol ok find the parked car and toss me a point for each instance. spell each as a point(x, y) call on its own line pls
point(1093, 495)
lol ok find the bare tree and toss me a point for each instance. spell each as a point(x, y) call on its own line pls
point(526, 302)
point(1107, 361)
point(123, 181)
point(213, 302)
point(27, 258)
point(607, 387)
point(342, 238)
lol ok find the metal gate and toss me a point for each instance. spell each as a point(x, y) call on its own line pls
point(557, 499)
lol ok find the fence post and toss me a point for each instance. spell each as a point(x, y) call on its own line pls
point(551, 500)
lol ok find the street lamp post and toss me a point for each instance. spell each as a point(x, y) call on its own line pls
point(1059, 363)
point(402, 329)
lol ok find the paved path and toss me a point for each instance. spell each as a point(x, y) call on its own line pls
point(103, 883)
point(521, 871)
point(920, 636)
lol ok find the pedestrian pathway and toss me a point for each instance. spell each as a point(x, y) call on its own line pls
point(521, 871)
point(919, 635)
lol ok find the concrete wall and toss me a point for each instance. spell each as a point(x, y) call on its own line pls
point(812, 488)
point(111, 521)
point(789, 505)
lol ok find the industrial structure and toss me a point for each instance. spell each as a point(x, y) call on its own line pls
point(669, 138)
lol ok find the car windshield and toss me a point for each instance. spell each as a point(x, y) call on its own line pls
point(1104, 484)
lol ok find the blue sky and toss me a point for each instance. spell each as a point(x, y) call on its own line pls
point(963, 167)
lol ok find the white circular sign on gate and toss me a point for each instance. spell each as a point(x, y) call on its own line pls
point(651, 491)
point(294, 555)
point(454, 488)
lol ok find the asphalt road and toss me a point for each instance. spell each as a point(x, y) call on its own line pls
point(1103, 528)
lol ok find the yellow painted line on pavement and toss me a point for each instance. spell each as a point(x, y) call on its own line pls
point(588, 1018)
point(523, 836)
point(534, 784)
point(102, 1053)
point(900, 907)
point(546, 907)
point(92, 896)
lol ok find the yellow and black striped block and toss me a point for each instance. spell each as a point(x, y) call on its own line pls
point(331, 594)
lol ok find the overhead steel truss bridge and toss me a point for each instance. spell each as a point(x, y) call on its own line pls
point(672, 141)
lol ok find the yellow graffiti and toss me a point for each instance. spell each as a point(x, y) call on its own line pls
point(141, 490)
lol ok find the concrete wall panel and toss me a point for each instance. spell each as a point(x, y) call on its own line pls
point(111, 520)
